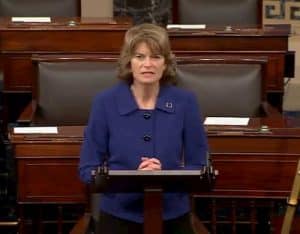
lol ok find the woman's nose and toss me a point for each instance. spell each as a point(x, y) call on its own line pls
point(147, 61)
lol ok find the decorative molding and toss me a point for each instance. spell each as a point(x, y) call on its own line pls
point(286, 10)
point(272, 9)
point(282, 12)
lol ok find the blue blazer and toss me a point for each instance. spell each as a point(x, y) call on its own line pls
point(117, 129)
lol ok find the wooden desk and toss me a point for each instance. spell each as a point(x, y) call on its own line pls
point(18, 42)
point(252, 164)
point(47, 167)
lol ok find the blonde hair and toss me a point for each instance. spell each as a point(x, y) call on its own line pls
point(157, 39)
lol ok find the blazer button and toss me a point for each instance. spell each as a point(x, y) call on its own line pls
point(147, 138)
point(147, 115)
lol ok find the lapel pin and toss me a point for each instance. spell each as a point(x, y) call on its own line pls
point(169, 104)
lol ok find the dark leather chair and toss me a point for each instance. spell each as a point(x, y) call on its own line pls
point(226, 87)
point(62, 8)
point(218, 12)
point(64, 89)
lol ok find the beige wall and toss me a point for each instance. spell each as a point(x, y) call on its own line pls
point(97, 8)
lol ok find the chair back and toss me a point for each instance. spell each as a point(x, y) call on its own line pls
point(224, 87)
point(227, 86)
point(65, 89)
point(40, 8)
point(218, 12)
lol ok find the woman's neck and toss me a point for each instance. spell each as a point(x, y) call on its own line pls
point(145, 95)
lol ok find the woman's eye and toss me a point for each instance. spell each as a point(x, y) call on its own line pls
point(139, 56)
point(143, 57)
point(157, 56)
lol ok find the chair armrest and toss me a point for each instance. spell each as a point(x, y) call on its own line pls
point(269, 110)
point(27, 115)
point(82, 225)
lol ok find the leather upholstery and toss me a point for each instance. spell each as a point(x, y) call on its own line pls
point(218, 12)
point(224, 89)
point(66, 90)
point(67, 8)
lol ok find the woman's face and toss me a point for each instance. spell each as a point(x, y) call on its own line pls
point(147, 68)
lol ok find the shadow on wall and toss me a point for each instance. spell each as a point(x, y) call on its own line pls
point(291, 104)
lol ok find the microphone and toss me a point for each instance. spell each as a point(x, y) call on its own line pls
point(210, 173)
point(100, 176)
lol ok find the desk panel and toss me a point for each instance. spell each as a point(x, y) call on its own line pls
point(63, 40)
point(49, 181)
point(257, 175)
point(48, 171)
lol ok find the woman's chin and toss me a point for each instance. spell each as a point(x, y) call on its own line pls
point(149, 80)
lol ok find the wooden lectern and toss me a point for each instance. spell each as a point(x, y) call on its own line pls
point(152, 184)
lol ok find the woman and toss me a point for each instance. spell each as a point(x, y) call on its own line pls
point(144, 123)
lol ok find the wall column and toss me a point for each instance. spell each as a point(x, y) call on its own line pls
point(97, 8)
